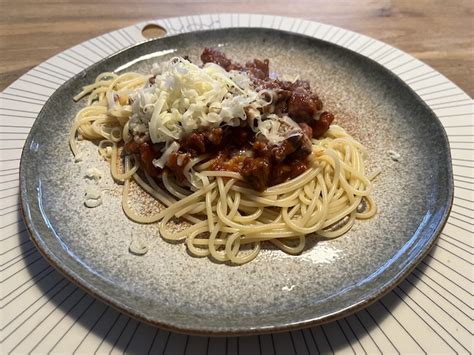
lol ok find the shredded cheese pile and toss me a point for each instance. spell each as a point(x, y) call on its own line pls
point(185, 97)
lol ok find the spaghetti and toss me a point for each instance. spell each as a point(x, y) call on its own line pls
point(229, 215)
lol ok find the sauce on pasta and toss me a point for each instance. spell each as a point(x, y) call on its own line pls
point(243, 157)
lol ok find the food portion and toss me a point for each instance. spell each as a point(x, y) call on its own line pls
point(251, 124)
point(243, 156)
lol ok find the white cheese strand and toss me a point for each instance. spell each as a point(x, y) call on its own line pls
point(277, 129)
point(160, 163)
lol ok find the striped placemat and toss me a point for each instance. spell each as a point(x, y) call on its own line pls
point(42, 312)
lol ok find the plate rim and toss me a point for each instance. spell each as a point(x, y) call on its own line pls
point(434, 237)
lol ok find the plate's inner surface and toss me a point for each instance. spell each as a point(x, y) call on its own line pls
point(169, 286)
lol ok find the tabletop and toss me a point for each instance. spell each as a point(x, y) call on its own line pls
point(430, 311)
point(438, 32)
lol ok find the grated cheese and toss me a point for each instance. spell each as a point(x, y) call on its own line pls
point(93, 197)
point(93, 173)
point(138, 246)
point(185, 97)
point(394, 155)
point(160, 163)
point(277, 129)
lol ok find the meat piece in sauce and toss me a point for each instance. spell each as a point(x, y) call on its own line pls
point(306, 130)
point(176, 163)
point(306, 147)
point(256, 172)
point(214, 136)
point(261, 147)
point(303, 105)
point(201, 142)
point(300, 84)
point(210, 55)
point(297, 146)
point(322, 125)
point(258, 69)
point(147, 151)
point(239, 136)
point(285, 148)
point(280, 103)
point(292, 98)
point(282, 172)
point(194, 143)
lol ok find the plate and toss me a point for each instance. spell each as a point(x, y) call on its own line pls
point(330, 279)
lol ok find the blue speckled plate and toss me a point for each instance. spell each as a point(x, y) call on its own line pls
point(330, 279)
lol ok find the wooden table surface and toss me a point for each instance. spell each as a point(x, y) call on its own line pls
point(438, 32)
